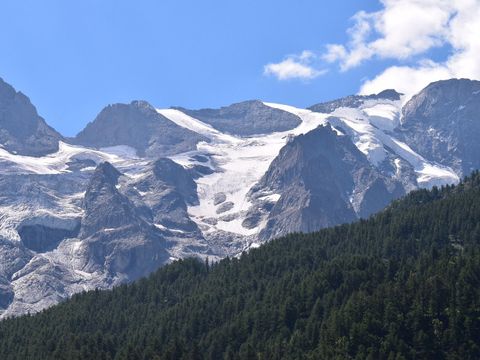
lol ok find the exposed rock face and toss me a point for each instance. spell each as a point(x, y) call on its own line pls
point(6, 293)
point(115, 236)
point(22, 130)
point(246, 118)
point(13, 257)
point(105, 207)
point(41, 238)
point(442, 123)
point(166, 190)
point(140, 126)
point(354, 101)
point(323, 180)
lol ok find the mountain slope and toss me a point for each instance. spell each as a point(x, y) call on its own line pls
point(403, 284)
point(22, 130)
point(448, 112)
point(246, 118)
point(322, 179)
point(139, 126)
point(354, 101)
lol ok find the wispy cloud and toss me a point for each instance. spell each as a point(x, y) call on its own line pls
point(405, 29)
point(295, 67)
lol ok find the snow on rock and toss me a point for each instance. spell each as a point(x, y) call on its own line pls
point(385, 115)
point(195, 125)
point(122, 151)
point(55, 163)
point(370, 127)
point(238, 164)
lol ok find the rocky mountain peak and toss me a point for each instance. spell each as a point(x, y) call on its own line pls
point(246, 118)
point(176, 176)
point(22, 130)
point(139, 126)
point(105, 172)
point(105, 206)
point(448, 111)
point(389, 94)
point(440, 97)
point(354, 101)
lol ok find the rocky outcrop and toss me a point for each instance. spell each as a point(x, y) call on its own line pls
point(105, 207)
point(115, 236)
point(322, 180)
point(246, 118)
point(41, 238)
point(354, 101)
point(140, 126)
point(166, 190)
point(22, 130)
point(442, 123)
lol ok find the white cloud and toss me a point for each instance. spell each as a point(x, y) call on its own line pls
point(405, 79)
point(334, 53)
point(294, 67)
point(403, 29)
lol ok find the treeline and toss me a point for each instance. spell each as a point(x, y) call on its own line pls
point(404, 284)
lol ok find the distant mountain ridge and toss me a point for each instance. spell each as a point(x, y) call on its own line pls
point(140, 187)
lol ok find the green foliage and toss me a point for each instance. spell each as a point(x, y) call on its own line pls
point(403, 284)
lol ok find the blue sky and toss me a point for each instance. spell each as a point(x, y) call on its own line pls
point(74, 57)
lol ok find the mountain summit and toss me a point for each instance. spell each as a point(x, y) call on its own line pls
point(139, 126)
point(22, 130)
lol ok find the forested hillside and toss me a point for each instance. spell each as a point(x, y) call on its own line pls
point(404, 284)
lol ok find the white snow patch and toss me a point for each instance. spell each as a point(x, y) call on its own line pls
point(195, 125)
point(160, 226)
point(271, 197)
point(123, 151)
point(164, 228)
point(398, 166)
point(56, 163)
point(239, 163)
point(76, 246)
point(385, 116)
point(84, 274)
point(363, 134)
point(433, 175)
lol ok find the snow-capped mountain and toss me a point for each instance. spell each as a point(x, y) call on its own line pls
point(140, 187)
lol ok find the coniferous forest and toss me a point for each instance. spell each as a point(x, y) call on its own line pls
point(403, 284)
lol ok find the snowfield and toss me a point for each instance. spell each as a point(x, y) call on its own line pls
point(238, 164)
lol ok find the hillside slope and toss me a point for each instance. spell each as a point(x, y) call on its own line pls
point(401, 285)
